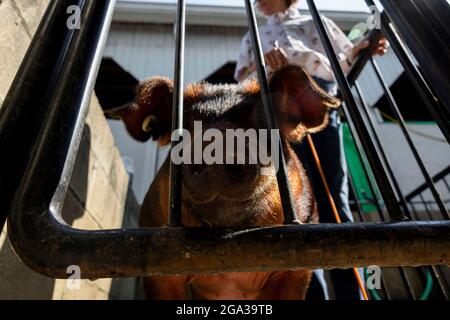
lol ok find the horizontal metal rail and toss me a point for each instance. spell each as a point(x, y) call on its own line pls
point(50, 248)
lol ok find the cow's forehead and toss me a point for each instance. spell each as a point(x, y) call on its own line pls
point(217, 100)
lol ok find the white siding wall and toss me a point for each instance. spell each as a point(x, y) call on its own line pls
point(430, 144)
point(146, 49)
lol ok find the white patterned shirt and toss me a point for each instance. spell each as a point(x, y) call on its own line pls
point(297, 35)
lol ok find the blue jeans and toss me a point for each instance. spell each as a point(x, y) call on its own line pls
point(330, 148)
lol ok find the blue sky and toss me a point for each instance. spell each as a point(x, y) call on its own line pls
point(340, 5)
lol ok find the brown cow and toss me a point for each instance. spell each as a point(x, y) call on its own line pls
point(224, 195)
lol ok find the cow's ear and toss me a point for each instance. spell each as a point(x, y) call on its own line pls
point(300, 104)
point(150, 114)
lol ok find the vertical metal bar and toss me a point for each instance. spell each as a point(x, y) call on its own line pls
point(375, 136)
point(434, 106)
point(361, 214)
point(353, 192)
point(282, 178)
point(366, 171)
point(408, 138)
point(352, 108)
point(403, 274)
point(418, 159)
point(37, 74)
point(431, 47)
point(439, 113)
point(435, 271)
point(439, 279)
point(177, 116)
point(446, 184)
point(427, 209)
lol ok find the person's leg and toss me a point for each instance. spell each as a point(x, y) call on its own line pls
point(318, 289)
point(330, 148)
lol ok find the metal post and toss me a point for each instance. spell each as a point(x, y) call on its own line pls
point(282, 177)
point(175, 195)
point(431, 46)
point(440, 114)
point(408, 138)
point(387, 162)
point(352, 108)
point(24, 105)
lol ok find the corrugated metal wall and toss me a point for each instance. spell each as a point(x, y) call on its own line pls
point(147, 50)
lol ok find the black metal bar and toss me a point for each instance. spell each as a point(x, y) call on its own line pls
point(435, 271)
point(446, 184)
point(439, 176)
point(427, 209)
point(384, 156)
point(359, 210)
point(441, 281)
point(363, 57)
point(439, 113)
point(282, 178)
point(354, 194)
point(52, 152)
point(433, 105)
point(22, 110)
point(431, 47)
point(436, 13)
point(177, 116)
point(366, 171)
point(383, 181)
point(403, 273)
point(401, 121)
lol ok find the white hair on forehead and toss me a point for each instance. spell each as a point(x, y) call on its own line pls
point(218, 98)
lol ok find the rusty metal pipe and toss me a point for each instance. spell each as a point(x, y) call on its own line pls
point(49, 247)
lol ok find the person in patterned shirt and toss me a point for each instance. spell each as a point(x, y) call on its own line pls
point(291, 38)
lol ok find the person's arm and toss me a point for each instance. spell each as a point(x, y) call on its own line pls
point(244, 66)
point(343, 46)
point(347, 51)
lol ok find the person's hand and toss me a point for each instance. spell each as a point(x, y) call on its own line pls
point(276, 58)
point(380, 49)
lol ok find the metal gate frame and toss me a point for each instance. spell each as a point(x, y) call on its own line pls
point(41, 124)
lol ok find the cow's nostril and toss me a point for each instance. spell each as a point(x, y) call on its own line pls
point(236, 171)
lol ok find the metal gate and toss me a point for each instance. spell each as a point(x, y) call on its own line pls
point(43, 116)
